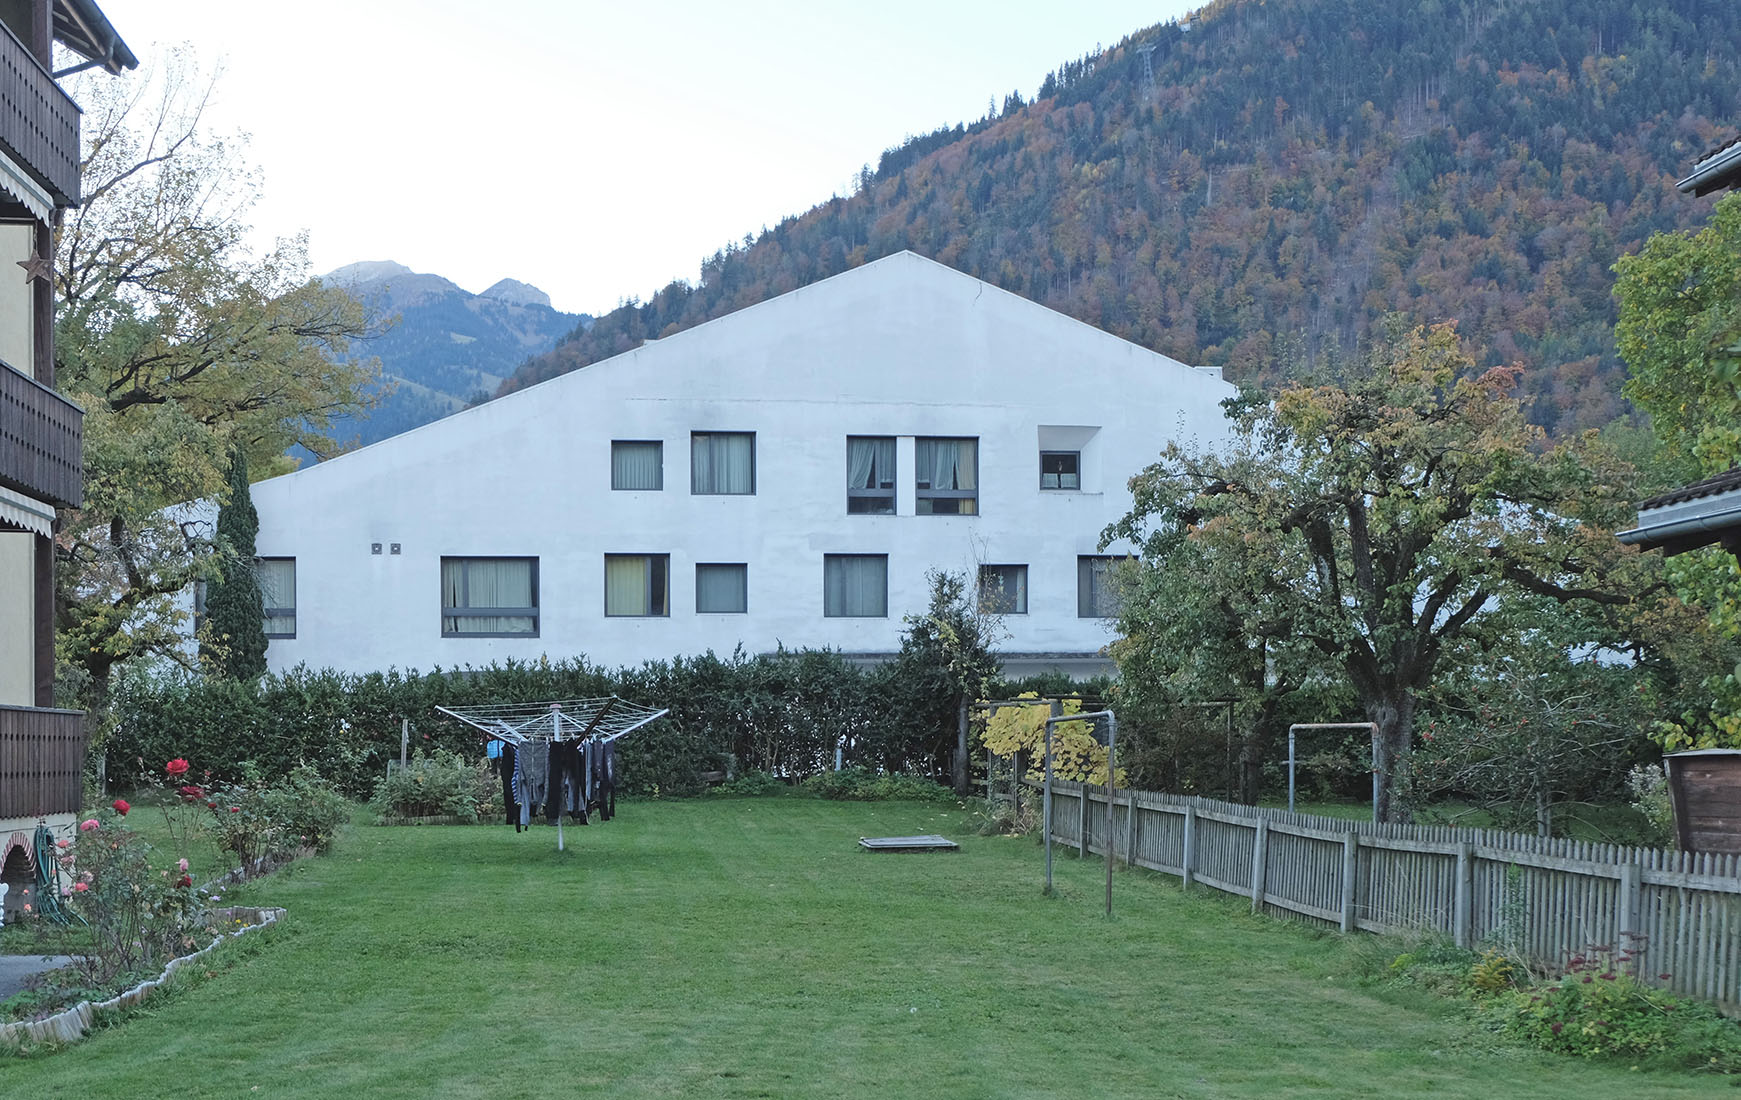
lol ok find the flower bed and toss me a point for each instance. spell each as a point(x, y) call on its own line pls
point(71, 1024)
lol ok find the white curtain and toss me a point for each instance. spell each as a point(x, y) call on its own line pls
point(948, 463)
point(722, 588)
point(723, 462)
point(1096, 588)
point(277, 579)
point(855, 585)
point(870, 462)
point(637, 465)
point(628, 585)
point(472, 584)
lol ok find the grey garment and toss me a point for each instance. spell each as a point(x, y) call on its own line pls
point(531, 777)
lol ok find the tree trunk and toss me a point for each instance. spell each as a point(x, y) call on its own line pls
point(1254, 752)
point(1395, 717)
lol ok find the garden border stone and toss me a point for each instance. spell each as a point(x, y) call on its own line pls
point(70, 1025)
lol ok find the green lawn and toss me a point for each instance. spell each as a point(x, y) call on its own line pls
point(748, 948)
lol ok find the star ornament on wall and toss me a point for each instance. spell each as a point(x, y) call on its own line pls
point(36, 267)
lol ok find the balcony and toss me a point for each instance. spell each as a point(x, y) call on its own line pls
point(42, 761)
point(41, 441)
point(39, 125)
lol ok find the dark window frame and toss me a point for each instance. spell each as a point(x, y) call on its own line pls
point(658, 565)
point(659, 488)
point(925, 498)
point(693, 491)
point(1022, 590)
point(886, 487)
point(1086, 606)
point(275, 612)
point(738, 565)
point(468, 612)
point(1074, 473)
point(827, 614)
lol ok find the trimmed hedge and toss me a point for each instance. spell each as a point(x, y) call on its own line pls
point(781, 713)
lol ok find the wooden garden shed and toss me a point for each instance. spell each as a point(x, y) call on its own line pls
point(1705, 786)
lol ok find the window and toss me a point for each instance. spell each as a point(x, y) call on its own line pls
point(277, 579)
point(870, 475)
point(489, 597)
point(637, 584)
point(1097, 595)
point(722, 463)
point(637, 464)
point(947, 477)
point(855, 585)
point(1060, 469)
point(722, 589)
point(1003, 589)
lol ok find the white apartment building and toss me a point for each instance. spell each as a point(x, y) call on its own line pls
point(785, 475)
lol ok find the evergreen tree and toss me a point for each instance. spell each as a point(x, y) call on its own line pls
point(234, 637)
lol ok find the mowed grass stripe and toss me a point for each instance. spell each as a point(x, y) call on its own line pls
point(748, 948)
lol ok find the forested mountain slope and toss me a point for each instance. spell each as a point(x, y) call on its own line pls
point(1295, 171)
point(443, 346)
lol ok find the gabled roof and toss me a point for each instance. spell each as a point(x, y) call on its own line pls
point(1719, 168)
point(1692, 516)
point(81, 27)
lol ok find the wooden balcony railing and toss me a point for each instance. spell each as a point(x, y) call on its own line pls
point(41, 441)
point(39, 124)
point(42, 761)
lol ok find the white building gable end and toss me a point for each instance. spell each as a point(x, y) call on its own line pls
point(496, 533)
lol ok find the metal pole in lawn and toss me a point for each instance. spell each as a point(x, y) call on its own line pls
point(1111, 835)
point(1046, 797)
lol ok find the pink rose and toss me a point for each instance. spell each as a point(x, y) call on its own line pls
point(181, 865)
point(80, 887)
point(88, 824)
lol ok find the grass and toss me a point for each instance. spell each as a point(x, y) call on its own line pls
point(746, 947)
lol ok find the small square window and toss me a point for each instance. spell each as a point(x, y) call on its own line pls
point(722, 589)
point(1097, 592)
point(637, 464)
point(638, 584)
point(855, 586)
point(1003, 589)
point(1060, 469)
point(722, 463)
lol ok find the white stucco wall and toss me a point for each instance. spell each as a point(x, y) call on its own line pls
point(17, 320)
point(17, 618)
point(903, 347)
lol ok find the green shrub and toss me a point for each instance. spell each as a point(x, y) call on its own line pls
point(305, 809)
point(752, 785)
point(1600, 1009)
point(439, 785)
point(860, 784)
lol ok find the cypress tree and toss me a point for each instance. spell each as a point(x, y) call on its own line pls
point(235, 626)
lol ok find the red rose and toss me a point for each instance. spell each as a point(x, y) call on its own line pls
point(185, 880)
point(178, 766)
point(211, 805)
point(235, 809)
point(191, 794)
point(121, 806)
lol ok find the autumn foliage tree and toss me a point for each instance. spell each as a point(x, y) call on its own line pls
point(1395, 514)
point(182, 345)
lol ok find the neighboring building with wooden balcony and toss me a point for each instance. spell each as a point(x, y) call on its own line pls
point(41, 463)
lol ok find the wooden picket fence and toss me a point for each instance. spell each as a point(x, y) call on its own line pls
point(1545, 899)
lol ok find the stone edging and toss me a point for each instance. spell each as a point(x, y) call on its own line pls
point(70, 1025)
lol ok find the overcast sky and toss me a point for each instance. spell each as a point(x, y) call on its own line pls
point(595, 150)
